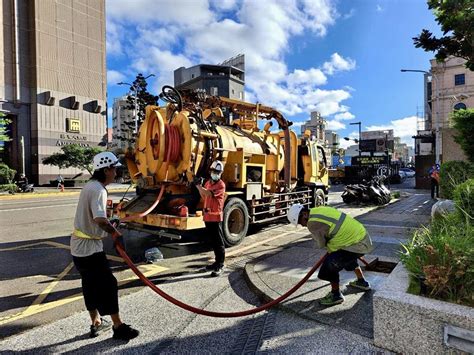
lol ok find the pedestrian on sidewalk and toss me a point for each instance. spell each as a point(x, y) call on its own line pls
point(345, 239)
point(213, 194)
point(99, 286)
point(434, 178)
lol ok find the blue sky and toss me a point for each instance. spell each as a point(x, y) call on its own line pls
point(342, 58)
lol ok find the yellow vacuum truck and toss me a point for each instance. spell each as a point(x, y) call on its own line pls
point(265, 171)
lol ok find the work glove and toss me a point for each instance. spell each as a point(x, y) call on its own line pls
point(198, 180)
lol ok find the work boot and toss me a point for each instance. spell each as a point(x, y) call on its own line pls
point(332, 299)
point(361, 284)
point(96, 330)
point(208, 268)
point(125, 332)
point(218, 271)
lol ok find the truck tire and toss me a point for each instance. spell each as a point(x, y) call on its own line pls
point(319, 198)
point(236, 221)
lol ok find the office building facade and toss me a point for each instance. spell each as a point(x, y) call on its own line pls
point(52, 80)
point(226, 79)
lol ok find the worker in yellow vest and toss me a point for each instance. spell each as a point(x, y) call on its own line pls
point(345, 239)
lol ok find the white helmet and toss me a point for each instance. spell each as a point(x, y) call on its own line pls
point(294, 213)
point(105, 160)
point(217, 166)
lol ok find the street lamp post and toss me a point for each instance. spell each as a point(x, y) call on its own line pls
point(359, 124)
point(135, 101)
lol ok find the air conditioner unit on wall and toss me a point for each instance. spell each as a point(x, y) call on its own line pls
point(96, 108)
point(49, 99)
point(73, 103)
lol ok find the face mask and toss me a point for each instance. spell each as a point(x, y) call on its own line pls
point(215, 177)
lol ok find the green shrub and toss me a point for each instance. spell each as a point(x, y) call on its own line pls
point(453, 173)
point(8, 187)
point(442, 255)
point(464, 199)
point(6, 174)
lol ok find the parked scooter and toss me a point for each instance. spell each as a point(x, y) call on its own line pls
point(373, 191)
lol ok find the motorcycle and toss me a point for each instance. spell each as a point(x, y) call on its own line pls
point(373, 191)
point(24, 188)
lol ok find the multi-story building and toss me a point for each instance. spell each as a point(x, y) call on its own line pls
point(52, 80)
point(452, 89)
point(332, 144)
point(226, 79)
point(121, 114)
point(317, 125)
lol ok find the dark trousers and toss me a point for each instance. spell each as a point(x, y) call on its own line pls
point(434, 186)
point(99, 285)
point(335, 262)
point(217, 241)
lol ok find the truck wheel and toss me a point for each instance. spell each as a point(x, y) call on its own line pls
point(319, 198)
point(236, 221)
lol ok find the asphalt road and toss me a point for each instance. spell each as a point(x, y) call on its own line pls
point(38, 283)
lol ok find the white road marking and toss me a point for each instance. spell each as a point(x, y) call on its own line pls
point(34, 208)
point(36, 201)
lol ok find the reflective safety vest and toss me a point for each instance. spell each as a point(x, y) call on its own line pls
point(78, 234)
point(344, 231)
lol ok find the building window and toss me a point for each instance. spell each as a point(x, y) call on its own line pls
point(214, 91)
point(241, 95)
point(192, 76)
point(233, 92)
point(459, 79)
point(460, 106)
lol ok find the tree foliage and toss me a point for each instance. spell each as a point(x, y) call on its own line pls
point(4, 134)
point(73, 156)
point(456, 18)
point(464, 124)
point(144, 98)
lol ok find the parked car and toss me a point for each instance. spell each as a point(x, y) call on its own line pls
point(408, 172)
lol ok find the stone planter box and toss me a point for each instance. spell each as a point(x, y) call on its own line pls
point(406, 323)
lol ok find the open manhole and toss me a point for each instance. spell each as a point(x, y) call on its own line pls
point(380, 266)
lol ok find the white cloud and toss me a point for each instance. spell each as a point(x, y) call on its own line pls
point(186, 33)
point(379, 8)
point(186, 13)
point(335, 125)
point(224, 5)
point(350, 14)
point(114, 76)
point(344, 116)
point(404, 128)
point(338, 63)
point(304, 77)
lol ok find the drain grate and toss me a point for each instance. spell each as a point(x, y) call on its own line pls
point(380, 266)
point(253, 333)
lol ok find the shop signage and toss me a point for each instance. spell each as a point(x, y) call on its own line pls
point(66, 139)
point(73, 125)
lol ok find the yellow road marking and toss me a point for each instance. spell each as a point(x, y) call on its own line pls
point(147, 270)
point(51, 286)
point(57, 245)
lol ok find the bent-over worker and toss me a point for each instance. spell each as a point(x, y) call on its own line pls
point(99, 286)
point(345, 239)
point(213, 194)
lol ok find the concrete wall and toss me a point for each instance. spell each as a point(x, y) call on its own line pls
point(451, 150)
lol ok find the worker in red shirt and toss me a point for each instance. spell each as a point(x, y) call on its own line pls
point(213, 194)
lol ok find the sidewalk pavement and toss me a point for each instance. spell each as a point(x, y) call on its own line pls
point(271, 276)
point(298, 325)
